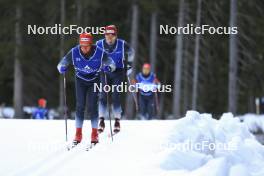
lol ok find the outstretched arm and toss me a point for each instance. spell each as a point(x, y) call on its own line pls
point(65, 62)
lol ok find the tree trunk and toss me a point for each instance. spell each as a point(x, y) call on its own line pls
point(196, 58)
point(18, 74)
point(134, 31)
point(153, 40)
point(79, 12)
point(178, 65)
point(186, 64)
point(62, 21)
point(134, 44)
point(233, 57)
point(161, 113)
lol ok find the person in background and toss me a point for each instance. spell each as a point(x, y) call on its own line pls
point(122, 54)
point(88, 61)
point(261, 105)
point(147, 83)
point(41, 112)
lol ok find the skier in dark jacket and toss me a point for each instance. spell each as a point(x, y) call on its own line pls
point(88, 61)
point(147, 83)
point(117, 49)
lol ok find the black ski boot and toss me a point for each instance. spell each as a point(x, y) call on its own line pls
point(117, 125)
point(101, 125)
point(75, 143)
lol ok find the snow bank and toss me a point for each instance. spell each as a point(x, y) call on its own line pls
point(255, 123)
point(201, 145)
point(7, 112)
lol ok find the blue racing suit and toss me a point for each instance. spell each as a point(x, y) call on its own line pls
point(146, 85)
point(87, 74)
point(117, 52)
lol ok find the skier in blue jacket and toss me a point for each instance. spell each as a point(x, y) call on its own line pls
point(88, 61)
point(147, 83)
point(122, 54)
point(41, 112)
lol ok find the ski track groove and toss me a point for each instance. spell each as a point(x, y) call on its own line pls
point(55, 163)
point(48, 165)
point(40, 164)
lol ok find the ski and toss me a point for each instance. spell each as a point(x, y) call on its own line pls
point(87, 148)
point(72, 146)
point(115, 133)
point(92, 145)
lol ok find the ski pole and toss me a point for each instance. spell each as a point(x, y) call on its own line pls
point(134, 96)
point(157, 102)
point(65, 108)
point(108, 108)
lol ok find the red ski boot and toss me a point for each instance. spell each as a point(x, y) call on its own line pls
point(101, 125)
point(117, 125)
point(78, 137)
point(94, 136)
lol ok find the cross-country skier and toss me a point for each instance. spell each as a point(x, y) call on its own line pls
point(123, 55)
point(88, 60)
point(147, 83)
point(41, 111)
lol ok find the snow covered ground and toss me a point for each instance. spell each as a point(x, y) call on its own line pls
point(196, 145)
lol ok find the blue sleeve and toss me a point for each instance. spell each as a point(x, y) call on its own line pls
point(130, 52)
point(34, 115)
point(35, 112)
point(46, 115)
point(66, 60)
point(137, 77)
point(107, 61)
